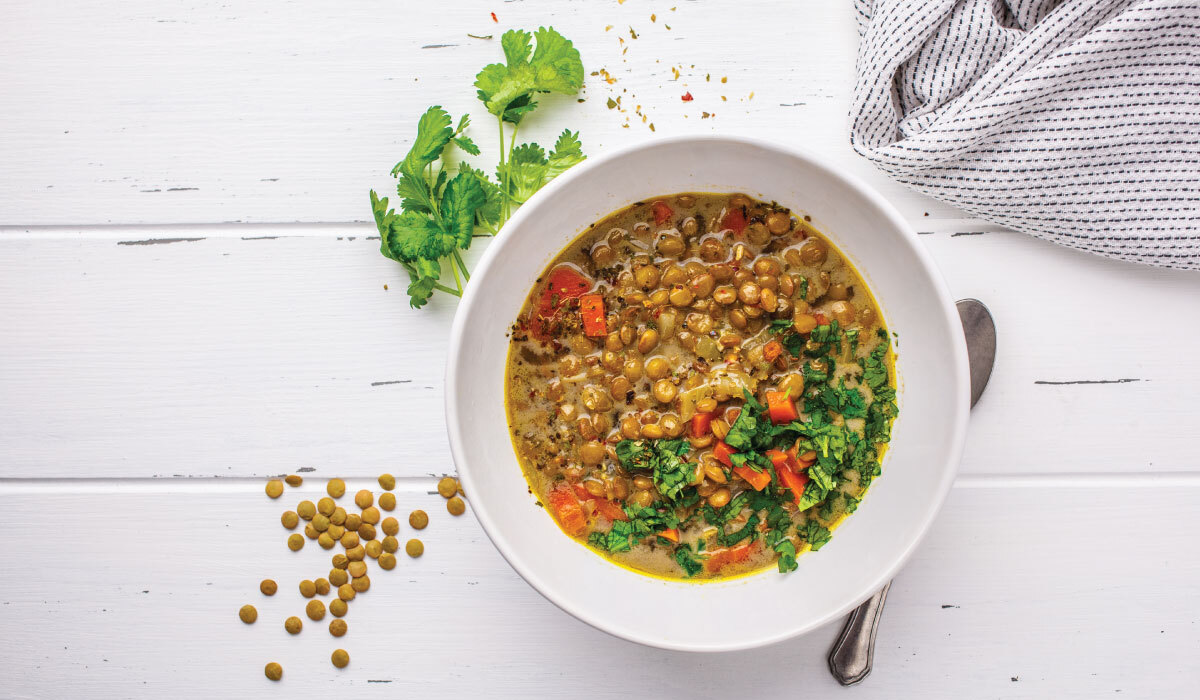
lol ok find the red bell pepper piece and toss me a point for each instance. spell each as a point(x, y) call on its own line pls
point(591, 307)
point(734, 220)
point(662, 212)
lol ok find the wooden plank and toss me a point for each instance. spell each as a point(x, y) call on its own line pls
point(232, 357)
point(1018, 592)
point(204, 112)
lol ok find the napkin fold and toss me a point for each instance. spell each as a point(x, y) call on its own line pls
point(1077, 121)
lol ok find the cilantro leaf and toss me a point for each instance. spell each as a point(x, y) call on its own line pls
point(508, 89)
point(688, 561)
point(567, 151)
point(816, 534)
point(662, 457)
point(787, 555)
point(463, 196)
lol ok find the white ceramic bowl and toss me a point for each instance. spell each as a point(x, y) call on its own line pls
point(873, 543)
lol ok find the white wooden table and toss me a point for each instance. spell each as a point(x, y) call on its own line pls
point(191, 300)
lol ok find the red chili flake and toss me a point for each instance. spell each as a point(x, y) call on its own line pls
point(494, 18)
point(687, 96)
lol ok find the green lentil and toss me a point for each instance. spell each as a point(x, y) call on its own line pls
point(274, 488)
point(295, 542)
point(306, 510)
point(268, 587)
point(418, 519)
point(337, 627)
point(248, 613)
point(293, 625)
point(340, 658)
point(274, 671)
point(387, 482)
point(289, 519)
point(414, 548)
point(335, 488)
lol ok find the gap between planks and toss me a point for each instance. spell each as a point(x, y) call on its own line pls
point(428, 484)
point(148, 234)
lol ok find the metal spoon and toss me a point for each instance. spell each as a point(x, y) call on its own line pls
point(851, 656)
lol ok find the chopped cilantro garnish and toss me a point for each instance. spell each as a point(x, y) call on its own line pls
point(662, 457)
point(684, 557)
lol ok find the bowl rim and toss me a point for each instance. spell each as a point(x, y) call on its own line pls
point(473, 296)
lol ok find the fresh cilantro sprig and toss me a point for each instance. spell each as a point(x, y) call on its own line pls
point(440, 206)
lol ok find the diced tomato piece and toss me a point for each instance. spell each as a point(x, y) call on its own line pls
point(734, 220)
point(662, 212)
point(672, 534)
point(781, 408)
point(702, 423)
point(772, 350)
point(721, 453)
point(591, 307)
point(567, 510)
point(721, 558)
point(757, 479)
point(610, 509)
point(793, 480)
point(564, 282)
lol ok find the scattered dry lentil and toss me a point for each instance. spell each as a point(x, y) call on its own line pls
point(315, 609)
point(353, 520)
point(336, 531)
point(293, 625)
point(337, 627)
point(326, 541)
point(456, 506)
point(311, 532)
point(274, 671)
point(338, 607)
point(268, 587)
point(274, 488)
point(248, 614)
point(326, 506)
point(371, 515)
point(387, 482)
point(414, 548)
point(322, 586)
point(308, 589)
point(335, 488)
point(373, 549)
point(350, 540)
point(294, 479)
point(356, 554)
point(320, 522)
point(387, 501)
point(338, 577)
point(366, 531)
point(338, 516)
point(306, 510)
point(387, 561)
point(340, 561)
point(295, 542)
point(364, 499)
point(418, 519)
point(289, 519)
point(361, 584)
point(340, 658)
point(346, 592)
point(357, 568)
point(390, 526)
point(448, 486)
point(390, 544)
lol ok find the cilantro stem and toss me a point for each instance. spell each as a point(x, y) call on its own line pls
point(503, 175)
point(462, 266)
point(454, 269)
point(444, 288)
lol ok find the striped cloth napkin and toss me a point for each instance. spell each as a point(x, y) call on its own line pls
point(1077, 121)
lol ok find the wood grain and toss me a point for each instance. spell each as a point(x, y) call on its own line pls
point(145, 353)
point(1044, 586)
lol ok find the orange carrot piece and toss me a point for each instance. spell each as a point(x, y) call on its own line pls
point(778, 458)
point(795, 481)
point(781, 408)
point(610, 509)
point(672, 534)
point(758, 480)
point(721, 558)
point(566, 509)
point(772, 350)
point(591, 307)
point(702, 423)
point(721, 453)
point(821, 319)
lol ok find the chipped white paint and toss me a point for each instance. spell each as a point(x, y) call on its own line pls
point(142, 338)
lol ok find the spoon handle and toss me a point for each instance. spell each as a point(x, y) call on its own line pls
point(850, 658)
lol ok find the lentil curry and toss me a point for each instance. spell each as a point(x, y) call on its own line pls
point(700, 386)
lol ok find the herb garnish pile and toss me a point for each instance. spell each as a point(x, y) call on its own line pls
point(773, 515)
point(441, 207)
